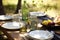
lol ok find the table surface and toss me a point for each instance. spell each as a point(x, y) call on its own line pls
point(14, 35)
point(18, 36)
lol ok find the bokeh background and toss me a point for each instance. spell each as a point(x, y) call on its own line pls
point(50, 7)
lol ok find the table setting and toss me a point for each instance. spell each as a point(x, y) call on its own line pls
point(38, 27)
point(48, 22)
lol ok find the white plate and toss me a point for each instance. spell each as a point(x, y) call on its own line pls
point(37, 14)
point(5, 17)
point(13, 25)
point(40, 34)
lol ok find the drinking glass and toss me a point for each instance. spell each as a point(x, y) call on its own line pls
point(33, 22)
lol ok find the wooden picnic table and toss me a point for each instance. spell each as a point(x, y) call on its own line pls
point(6, 33)
point(13, 35)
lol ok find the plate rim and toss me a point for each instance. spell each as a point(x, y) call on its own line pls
point(12, 26)
point(39, 38)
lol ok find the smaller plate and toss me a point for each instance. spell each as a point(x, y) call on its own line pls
point(13, 25)
point(5, 17)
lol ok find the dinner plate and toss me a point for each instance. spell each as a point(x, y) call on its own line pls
point(37, 14)
point(5, 17)
point(41, 34)
point(13, 25)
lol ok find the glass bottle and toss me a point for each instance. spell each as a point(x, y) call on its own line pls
point(25, 11)
point(28, 24)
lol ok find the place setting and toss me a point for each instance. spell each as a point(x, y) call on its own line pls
point(39, 35)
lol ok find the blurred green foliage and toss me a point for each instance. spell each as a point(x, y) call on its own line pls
point(34, 6)
point(9, 8)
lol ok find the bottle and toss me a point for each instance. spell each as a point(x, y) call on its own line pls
point(23, 29)
point(28, 24)
point(25, 11)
